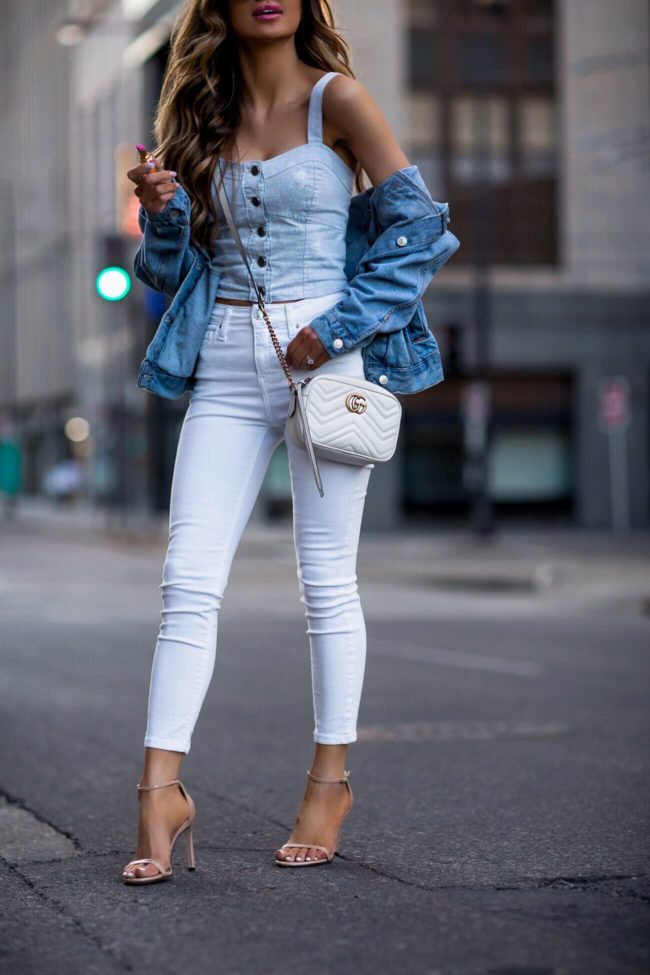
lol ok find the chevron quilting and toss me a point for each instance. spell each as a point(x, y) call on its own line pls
point(333, 425)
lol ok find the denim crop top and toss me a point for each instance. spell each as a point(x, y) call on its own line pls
point(291, 212)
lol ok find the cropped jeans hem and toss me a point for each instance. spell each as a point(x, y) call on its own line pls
point(334, 739)
point(167, 745)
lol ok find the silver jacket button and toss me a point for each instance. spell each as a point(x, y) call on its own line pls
point(383, 380)
point(402, 241)
point(338, 343)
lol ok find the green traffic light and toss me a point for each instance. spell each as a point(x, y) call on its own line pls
point(113, 283)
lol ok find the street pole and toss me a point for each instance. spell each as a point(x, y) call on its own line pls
point(8, 288)
point(478, 398)
point(614, 420)
point(618, 480)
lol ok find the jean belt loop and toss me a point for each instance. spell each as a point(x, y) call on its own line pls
point(291, 313)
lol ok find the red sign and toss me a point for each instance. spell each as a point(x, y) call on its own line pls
point(614, 404)
point(127, 203)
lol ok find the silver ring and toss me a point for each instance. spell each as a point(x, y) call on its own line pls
point(310, 361)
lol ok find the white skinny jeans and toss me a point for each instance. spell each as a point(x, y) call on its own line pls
point(235, 419)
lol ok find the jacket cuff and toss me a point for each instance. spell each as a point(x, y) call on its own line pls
point(332, 332)
point(174, 214)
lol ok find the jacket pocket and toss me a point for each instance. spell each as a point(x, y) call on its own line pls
point(418, 329)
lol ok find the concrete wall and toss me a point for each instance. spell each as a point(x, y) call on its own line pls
point(605, 85)
point(35, 329)
point(377, 36)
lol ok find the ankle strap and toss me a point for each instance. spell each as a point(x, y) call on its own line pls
point(163, 785)
point(317, 778)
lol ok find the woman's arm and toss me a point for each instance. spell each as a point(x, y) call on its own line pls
point(164, 256)
point(409, 241)
point(353, 117)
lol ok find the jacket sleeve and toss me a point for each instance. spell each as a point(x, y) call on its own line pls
point(164, 255)
point(411, 245)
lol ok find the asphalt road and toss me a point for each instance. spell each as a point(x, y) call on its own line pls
point(500, 776)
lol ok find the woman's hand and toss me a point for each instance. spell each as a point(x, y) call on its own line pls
point(303, 345)
point(154, 187)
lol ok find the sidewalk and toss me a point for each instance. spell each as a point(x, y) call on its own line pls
point(593, 572)
point(80, 519)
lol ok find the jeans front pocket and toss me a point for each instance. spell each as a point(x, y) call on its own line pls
point(311, 308)
point(296, 324)
point(217, 329)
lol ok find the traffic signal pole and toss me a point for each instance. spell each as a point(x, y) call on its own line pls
point(477, 403)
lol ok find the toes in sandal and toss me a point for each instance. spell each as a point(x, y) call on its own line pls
point(129, 875)
point(329, 855)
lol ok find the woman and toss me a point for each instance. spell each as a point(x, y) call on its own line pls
point(247, 79)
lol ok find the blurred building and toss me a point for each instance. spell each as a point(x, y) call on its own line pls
point(530, 117)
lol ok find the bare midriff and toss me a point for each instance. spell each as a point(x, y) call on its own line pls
point(242, 301)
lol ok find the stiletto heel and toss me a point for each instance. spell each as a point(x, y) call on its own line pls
point(315, 846)
point(191, 865)
point(164, 873)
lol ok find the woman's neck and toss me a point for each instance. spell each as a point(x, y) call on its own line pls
point(273, 76)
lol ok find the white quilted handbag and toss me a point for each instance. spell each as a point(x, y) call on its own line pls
point(351, 420)
point(332, 416)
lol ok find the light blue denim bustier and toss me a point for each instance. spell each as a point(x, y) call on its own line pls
point(291, 212)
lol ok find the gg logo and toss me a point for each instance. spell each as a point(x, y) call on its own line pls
point(356, 403)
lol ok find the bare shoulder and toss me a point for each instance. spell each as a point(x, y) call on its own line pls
point(346, 99)
point(354, 118)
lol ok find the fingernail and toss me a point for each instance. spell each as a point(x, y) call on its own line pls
point(150, 165)
point(173, 172)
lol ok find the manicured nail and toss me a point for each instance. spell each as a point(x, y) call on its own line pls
point(173, 172)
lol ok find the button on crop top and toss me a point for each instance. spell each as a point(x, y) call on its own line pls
point(291, 212)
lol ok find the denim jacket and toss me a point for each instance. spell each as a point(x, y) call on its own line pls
point(396, 241)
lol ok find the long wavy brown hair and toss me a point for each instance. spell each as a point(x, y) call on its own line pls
point(198, 112)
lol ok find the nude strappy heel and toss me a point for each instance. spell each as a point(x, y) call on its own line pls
point(128, 876)
point(315, 846)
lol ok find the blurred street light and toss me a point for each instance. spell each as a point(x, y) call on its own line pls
point(70, 32)
point(113, 283)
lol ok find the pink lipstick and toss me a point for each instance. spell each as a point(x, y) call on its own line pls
point(267, 11)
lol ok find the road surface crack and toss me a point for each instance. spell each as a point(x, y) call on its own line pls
point(66, 914)
point(18, 803)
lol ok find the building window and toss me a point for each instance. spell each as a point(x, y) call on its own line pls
point(424, 13)
point(530, 455)
point(537, 128)
point(479, 140)
point(424, 136)
point(483, 121)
